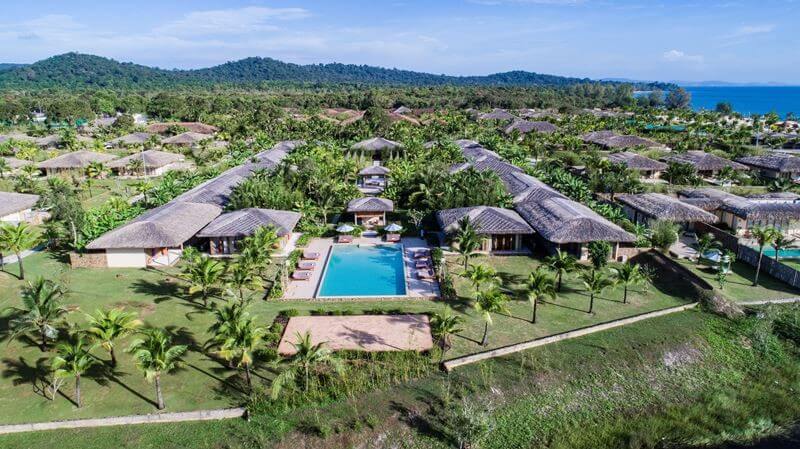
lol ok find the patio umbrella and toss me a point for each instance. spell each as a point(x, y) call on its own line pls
point(345, 228)
point(394, 227)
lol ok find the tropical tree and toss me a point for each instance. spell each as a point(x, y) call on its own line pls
point(663, 234)
point(443, 326)
point(241, 276)
point(781, 242)
point(307, 359)
point(40, 312)
point(73, 359)
point(599, 251)
point(236, 339)
point(155, 356)
point(95, 170)
point(628, 275)
point(595, 283)
point(561, 263)
point(203, 277)
point(540, 286)
point(18, 238)
point(143, 187)
point(106, 327)
point(763, 237)
point(487, 303)
point(481, 275)
point(467, 240)
point(706, 243)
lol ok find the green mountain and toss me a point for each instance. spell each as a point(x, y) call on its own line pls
point(75, 70)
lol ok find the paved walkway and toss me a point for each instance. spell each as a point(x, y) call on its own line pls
point(200, 415)
point(12, 258)
point(762, 302)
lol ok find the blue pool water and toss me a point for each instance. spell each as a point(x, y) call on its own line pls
point(791, 253)
point(369, 270)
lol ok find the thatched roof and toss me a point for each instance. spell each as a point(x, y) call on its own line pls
point(279, 151)
point(403, 110)
point(663, 207)
point(195, 127)
point(703, 161)
point(746, 208)
point(636, 161)
point(610, 139)
point(525, 126)
point(473, 150)
point(15, 163)
point(104, 121)
point(374, 170)
point(48, 141)
point(168, 226)
point(370, 204)
point(485, 219)
point(775, 196)
point(244, 222)
point(778, 162)
point(76, 159)
point(187, 138)
point(150, 159)
point(376, 144)
point(16, 136)
point(497, 114)
point(561, 220)
point(11, 202)
point(527, 188)
point(131, 139)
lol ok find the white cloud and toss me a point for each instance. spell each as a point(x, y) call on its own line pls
point(679, 56)
point(230, 21)
point(749, 30)
point(522, 2)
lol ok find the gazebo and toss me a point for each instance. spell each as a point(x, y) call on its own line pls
point(370, 211)
point(377, 147)
point(373, 179)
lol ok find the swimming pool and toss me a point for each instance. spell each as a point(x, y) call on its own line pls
point(789, 253)
point(364, 270)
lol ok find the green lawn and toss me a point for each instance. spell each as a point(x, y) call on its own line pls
point(739, 284)
point(103, 189)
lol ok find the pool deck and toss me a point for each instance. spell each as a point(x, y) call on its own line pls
point(372, 333)
point(415, 288)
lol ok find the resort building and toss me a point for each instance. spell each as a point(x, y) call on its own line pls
point(18, 207)
point(740, 214)
point(226, 231)
point(187, 139)
point(707, 165)
point(647, 208)
point(773, 166)
point(376, 149)
point(504, 231)
point(610, 140)
point(497, 114)
point(373, 179)
point(370, 211)
point(195, 127)
point(775, 197)
point(524, 127)
point(73, 163)
point(648, 169)
point(148, 163)
point(132, 139)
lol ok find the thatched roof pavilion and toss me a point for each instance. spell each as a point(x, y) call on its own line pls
point(662, 207)
point(561, 220)
point(780, 163)
point(485, 219)
point(244, 222)
point(374, 170)
point(525, 126)
point(636, 161)
point(705, 162)
point(12, 202)
point(138, 138)
point(150, 159)
point(370, 204)
point(187, 138)
point(376, 144)
point(195, 127)
point(75, 160)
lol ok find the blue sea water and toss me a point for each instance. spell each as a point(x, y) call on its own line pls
point(369, 270)
point(749, 100)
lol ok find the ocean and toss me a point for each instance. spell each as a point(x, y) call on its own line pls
point(749, 100)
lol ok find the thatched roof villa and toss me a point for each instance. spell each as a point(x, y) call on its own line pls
point(503, 229)
point(149, 162)
point(186, 139)
point(525, 126)
point(647, 168)
point(73, 162)
point(497, 114)
point(611, 140)
point(739, 213)
point(17, 207)
point(706, 164)
point(370, 211)
point(377, 148)
point(138, 138)
point(646, 208)
point(224, 233)
point(773, 165)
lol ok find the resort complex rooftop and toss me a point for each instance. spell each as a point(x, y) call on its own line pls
point(187, 138)
point(376, 144)
point(76, 159)
point(705, 162)
point(370, 204)
point(138, 138)
point(610, 140)
point(525, 126)
point(485, 219)
point(712, 199)
point(244, 222)
point(149, 158)
point(662, 207)
point(497, 114)
point(11, 202)
point(780, 163)
point(636, 161)
point(561, 220)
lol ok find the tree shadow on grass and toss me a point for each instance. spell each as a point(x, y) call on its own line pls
point(563, 306)
point(425, 422)
point(21, 372)
point(103, 374)
point(467, 338)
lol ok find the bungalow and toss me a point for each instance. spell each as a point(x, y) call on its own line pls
point(646, 208)
point(17, 207)
point(73, 162)
point(187, 139)
point(226, 231)
point(648, 169)
point(132, 139)
point(195, 127)
point(775, 197)
point(147, 163)
point(378, 147)
point(54, 141)
point(503, 230)
point(156, 237)
point(497, 114)
point(524, 127)
point(740, 214)
point(370, 211)
point(373, 179)
point(707, 165)
point(569, 226)
point(611, 140)
point(774, 166)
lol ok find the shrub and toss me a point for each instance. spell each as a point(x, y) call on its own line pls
point(289, 313)
point(664, 234)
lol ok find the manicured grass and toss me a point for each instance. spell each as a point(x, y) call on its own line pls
point(103, 189)
point(739, 283)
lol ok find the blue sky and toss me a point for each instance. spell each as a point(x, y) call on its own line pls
point(744, 41)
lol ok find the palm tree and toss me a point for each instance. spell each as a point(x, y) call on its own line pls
point(781, 242)
point(203, 276)
point(481, 274)
point(107, 327)
point(764, 237)
point(155, 356)
point(41, 310)
point(562, 263)
point(628, 275)
point(142, 187)
point(308, 357)
point(443, 326)
point(18, 238)
point(94, 170)
point(706, 243)
point(467, 240)
point(487, 303)
point(236, 339)
point(73, 359)
point(540, 286)
point(241, 277)
point(595, 282)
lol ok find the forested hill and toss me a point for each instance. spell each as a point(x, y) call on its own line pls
point(76, 71)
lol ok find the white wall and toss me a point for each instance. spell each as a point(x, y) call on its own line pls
point(126, 258)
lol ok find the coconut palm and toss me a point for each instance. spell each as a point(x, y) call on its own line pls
point(781, 242)
point(540, 286)
point(203, 276)
point(487, 303)
point(156, 356)
point(595, 282)
point(106, 327)
point(307, 359)
point(18, 238)
point(236, 338)
point(467, 240)
point(241, 276)
point(627, 275)
point(764, 237)
point(481, 275)
point(561, 263)
point(73, 359)
point(41, 311)
point(706, 243)
point(443, 326)
point(95, 170)
point(143, 187)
